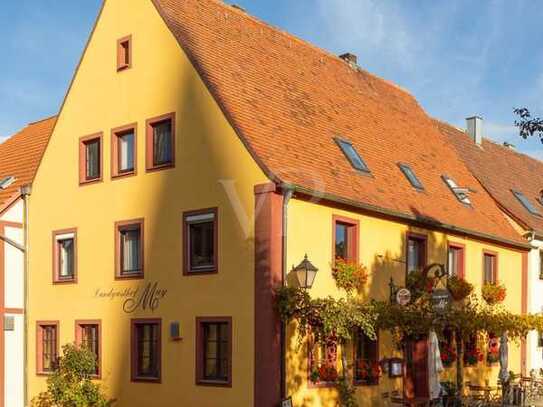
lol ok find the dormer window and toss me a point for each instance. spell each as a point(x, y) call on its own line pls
point(411, 177)
point(124, 53)
point(462, 194)
point(526, 203)
point(352, 155)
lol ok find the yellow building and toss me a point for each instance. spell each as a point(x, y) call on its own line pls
point(199, 154)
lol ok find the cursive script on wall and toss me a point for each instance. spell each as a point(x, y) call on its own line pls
point(141, 298)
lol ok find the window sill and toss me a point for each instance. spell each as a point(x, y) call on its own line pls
point(123, 175)
point(199, 272)
point(44, 374)
point(160, 167)
point(84, 182)
point(215, 383)
point(124, 67)
point(66, 281)
point(138, 379)
point(138, 276)
point(320, 385)
point(363, 383)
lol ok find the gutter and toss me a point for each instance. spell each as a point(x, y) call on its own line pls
point(25, 193)
point(405, 217)
point(287, 195)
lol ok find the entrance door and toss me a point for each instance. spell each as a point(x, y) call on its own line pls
point(416, 372)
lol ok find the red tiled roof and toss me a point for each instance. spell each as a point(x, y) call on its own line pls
point(501, 169)
point(21, 154)
point(287, 100)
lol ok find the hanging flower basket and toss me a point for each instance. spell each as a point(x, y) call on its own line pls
point(473, 356)
point(325, 373)
point(448, 354)
point(419, 283)
point(349, 275)
point(493, 353)
point(459, 288)
point(493, 293)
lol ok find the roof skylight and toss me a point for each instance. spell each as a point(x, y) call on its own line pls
point(410, 175)
point(462, 194)
point(352, 155)
point(526, 203)
point(6, 182)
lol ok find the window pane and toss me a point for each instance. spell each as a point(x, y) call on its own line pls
point(410, 175)
point(162, 143)
point(490, 268)
point(526, 203)
point(49, 347)
point(131, 251)
point(126, 152)
point(89, 340)
point(202, 244)
point(454, 261)
point(93, 159)
point(216, 348)
point(415, 255)
point(353, 156)
point(341, 241)
point(147, 350)
point(66, 258)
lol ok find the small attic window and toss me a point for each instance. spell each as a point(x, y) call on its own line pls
point(411, 177)
point(526, 203)
point(6, 182)
point(124, 53)
point(352, 155)
point(462, 194)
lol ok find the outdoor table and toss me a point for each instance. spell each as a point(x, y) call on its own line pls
point(482, 392)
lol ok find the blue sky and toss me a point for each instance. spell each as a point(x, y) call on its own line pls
point(458, 58)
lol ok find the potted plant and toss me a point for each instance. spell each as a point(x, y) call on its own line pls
point(493, 293)
point(349, 275)
point(459, 288)
point(325, 373)
point(419, 283)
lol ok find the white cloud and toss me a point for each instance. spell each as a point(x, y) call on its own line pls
point(500, 132)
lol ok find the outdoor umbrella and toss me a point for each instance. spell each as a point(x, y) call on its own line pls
point(435, 366)
point(504, 356)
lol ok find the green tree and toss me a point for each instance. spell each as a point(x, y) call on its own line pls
point(527, 124)
point(70, 385)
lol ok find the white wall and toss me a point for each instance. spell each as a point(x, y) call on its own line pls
point(13, 364)
point(535, 304)
point(13, 289)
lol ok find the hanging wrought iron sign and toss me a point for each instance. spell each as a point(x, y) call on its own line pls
point(441, 300)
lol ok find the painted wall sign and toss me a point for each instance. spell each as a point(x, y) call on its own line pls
point(403, 296)
point(141, 298)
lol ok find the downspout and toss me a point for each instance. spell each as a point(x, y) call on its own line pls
point(287, 195)
point(25, 193)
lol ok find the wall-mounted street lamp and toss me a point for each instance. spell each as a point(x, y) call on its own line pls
point(305, 272)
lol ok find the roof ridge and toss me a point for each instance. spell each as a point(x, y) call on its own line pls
point(494, 142)
point(43, 120)
point(325, 52)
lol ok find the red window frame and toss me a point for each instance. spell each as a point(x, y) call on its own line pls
point(134, 368)
point(149, 142)
point(461, 258)
point(421, 238)
point(40, 328)
point(352, 226)
point(116, 133)
point(200, 351)
point(124, 53)
point(83, 142)
point(80, 324)
point(119, 228)
point(494, 255)
point(188, 270)
point(56, 253)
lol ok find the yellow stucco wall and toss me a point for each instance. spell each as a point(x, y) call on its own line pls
point(213, 169)
point(382, 250)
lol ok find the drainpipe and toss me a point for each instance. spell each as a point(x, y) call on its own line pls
point(287, 194)
point(25, 193)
